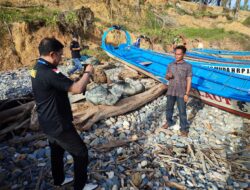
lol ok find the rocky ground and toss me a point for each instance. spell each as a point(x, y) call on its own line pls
point(132, 151)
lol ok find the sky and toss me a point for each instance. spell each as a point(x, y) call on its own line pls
point(241, 2)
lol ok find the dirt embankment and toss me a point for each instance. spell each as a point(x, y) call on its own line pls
point(20, 41)
point(25, 45)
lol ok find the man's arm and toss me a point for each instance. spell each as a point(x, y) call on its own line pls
point(189, 83)
point(79, 86)
point(169, 74)
point(189, 79)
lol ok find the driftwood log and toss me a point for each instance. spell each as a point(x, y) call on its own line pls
point(15, 126)
point(15, 117)
point(83, 120)
point(15, 113)
point(24, 115)
point(173, 184)
point(116, 143)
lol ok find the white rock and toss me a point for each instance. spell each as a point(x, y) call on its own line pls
point(112, 120)
point(190, 183)
point(143, 176)
point(119, 150)
point(125, 123)
point(69, 159)
point(217, 176)
point(110, 174)
point(112, 131)
point(236, 184)
point(109, 122)
point(41, 164)
point(176, 127)
point(144, 163)
point(115, 187)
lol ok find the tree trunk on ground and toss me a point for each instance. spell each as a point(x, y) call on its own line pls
point(85, 119)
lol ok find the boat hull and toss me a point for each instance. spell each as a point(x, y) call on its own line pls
point(232, 67)
point(230, 105)
point(233, 106)
point(222, 52)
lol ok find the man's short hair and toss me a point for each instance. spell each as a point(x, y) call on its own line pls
point(48, 45)
point(183, 48)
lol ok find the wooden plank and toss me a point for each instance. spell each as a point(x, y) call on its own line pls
point(145, 63)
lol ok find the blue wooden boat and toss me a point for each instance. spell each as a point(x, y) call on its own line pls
point(215, 59)
point(224, 90)
point(222, 52)
point(233, 67)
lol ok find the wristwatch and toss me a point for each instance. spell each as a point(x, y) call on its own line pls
point(88, 72)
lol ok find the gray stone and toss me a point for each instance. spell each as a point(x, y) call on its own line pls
point(243, 185)
point(237, 185)
point(95, 142)
point(119, 150)
point(101, 95)
point(144, 163)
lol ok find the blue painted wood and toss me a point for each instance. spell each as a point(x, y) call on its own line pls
point(200, 55)
point(213, 81)
point(223, 52)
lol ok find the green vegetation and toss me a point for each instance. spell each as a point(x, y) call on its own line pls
point(247, 22)
point(168, 6)
point(3, 32)
point(166, 35)
point(71, 17)
point(204, 33)
point(151, 21)
point(9, 14)
point(200, 14)
point(98, 53)
point(214, 34)
point(151, 26)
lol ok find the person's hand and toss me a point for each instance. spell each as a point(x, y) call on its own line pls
point(169, 75)
point(186, 98)
point(85, 128)
point(89, 68)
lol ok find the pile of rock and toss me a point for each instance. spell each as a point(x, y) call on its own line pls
point(132, 151)
point(15, 84)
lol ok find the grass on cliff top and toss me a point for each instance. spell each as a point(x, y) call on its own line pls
point(246, 22)
point(166, 35)
point(11, 14)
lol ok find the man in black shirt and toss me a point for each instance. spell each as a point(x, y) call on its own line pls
point(75, 53)
point(51, 89)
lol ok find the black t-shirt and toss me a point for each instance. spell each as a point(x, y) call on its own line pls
point(50, 89)
point(75, 53)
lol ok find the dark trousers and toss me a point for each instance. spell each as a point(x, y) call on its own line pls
point(70, 141)
point(181, 104)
